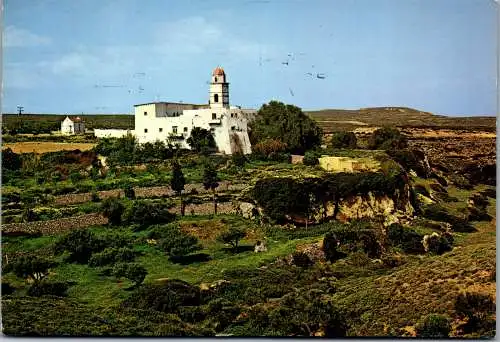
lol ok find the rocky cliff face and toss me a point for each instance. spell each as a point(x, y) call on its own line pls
point(371, 206)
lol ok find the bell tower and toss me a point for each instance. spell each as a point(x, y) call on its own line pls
point(219, 89)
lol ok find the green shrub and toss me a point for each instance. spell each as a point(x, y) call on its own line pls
point(460, 181)
point(434, 326)
point(232, 237)
point(437, 244)
point(29, 266)
point(411, 159)
point(129, 192)
point(330, 245)
point(179, 244)
point(45, 288)
point(201, 140)
point(344, 140)
point(310, 158)
point(7, 289)
point(167, 297)
point(113, 208)
point(112, 255)
point(94, 197)
point(146, 212)
point(387, 139)
point(421, 189)
point(476, 307)
point(438, 213)
point(301, 259)
point(288, 124)
point(131, 271)
point(405, 238)
point(80, 244)
point(162, 231)
point(239, 159)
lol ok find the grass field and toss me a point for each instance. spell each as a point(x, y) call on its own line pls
point(46, 146)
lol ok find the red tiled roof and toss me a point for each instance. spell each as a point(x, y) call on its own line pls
point(218, 72)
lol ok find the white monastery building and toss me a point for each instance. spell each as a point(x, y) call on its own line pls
point(173, 122)
point(72, 126)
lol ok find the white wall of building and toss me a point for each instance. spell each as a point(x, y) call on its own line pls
point(112, 133)
point(174, 121)
point(69, 126)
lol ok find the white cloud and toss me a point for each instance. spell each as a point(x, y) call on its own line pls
point(169, 44)
point(18, 37)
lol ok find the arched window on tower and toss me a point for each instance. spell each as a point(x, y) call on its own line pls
point(216, 79)
point(216, 98)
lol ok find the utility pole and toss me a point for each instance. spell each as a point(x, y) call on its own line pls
point(20, 110)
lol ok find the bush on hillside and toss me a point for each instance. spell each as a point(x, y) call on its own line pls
point(387, 138)
point(112, 255)
point(232, 237)
point(179, 244)
point(344, 140)
point(411, 159)
point(29, 266)
point(146, 213)
point(7, 289)
point(80, 244)
point(478, 308)
point(113, 208)
point(46, 288)
point(301, 259)
point(132, 271)
point(311, 158)
point(129, 192)
point(168, 297)
point(433, 326)
point(405, 238)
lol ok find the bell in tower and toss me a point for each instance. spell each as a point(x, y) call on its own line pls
point(219, 89)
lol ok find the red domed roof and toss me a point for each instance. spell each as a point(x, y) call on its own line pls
point(218, 72)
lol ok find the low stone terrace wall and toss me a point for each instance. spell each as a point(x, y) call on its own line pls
point(54, 226)
point(154, 191)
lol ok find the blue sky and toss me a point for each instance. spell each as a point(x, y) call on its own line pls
point(104, 56)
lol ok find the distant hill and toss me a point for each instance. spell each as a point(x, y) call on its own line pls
point(332, 120)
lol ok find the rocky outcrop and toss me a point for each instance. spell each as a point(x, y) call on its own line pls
point(370, 206)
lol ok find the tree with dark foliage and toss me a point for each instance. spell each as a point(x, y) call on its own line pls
point(211, 181)
point(288, 124)
point(177, 182)
point(201, 140)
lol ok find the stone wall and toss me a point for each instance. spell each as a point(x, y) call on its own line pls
point(55, 226)
point(83, 221)
point(154, 191)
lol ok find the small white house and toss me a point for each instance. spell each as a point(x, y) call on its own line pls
point(72, 126)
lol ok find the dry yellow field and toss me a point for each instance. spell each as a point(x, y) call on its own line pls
point(46, 146)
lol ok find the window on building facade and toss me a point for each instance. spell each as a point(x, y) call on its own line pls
point(145, 130)
point(185, 129)
point(160, 130)
point(145, 113)
point(174, 129)
point(216, 79)
point(216, 98)
point(233, 128)
point(235, 115)
point(214, 116)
